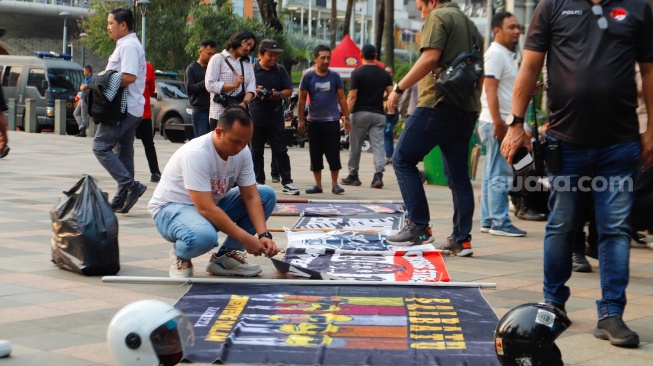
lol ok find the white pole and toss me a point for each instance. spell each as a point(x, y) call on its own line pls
point(264, 281)
point(310, 19)
point(283, 200)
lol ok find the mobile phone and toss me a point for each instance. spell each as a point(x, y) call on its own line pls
point(522, 159)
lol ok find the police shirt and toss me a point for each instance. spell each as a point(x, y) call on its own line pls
point(591, 71)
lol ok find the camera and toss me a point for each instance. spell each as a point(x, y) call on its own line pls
point(220, 99)
point(264, 93)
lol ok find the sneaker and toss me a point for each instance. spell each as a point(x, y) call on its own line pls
point(507, 230)
point(337, 190)
point(119, 200)
point(617, 332)
point(155, 177)
point(232, 264)
point(463, 249)
point(5, 348)
point(313, 190)
point(4, 152)
point(276, 179)
point(351, 180)
point(485, 229)
point(133, 194)
point(638, 240)
point(377, 181)
point(290, 189)
point(180, 267)
point(411, 235)
point(529, 214)
point(580, 264)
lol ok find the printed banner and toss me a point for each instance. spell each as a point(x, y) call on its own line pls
point(335, 209)
point(339, 325)
point(403, 266)
point(343, 242)
point(363, 222)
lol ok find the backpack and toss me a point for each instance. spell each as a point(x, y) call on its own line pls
point(106, 98)
point(462, 77)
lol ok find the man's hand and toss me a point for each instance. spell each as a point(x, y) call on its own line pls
point(301, 127)
point(239, 80)
point(392, 101)
point(646, 156)
point(515, 139)
point(264, 246)
point(500, 130)
point(346, 124)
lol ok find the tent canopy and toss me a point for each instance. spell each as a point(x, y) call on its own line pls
point(346, 57)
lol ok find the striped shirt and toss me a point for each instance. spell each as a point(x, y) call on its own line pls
point(218, 73)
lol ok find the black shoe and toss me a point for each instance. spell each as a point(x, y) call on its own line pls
point(276, 179)
point(133, 194)
point(351, 180)
point(337, 190)
point(155, 177)
point(4, 152)
point(529, 214)
point(117, 203)
point(617, 332)
point(580, 263)
point(560, 307)
point(313, 190)
point(463, 249)
point(592, 252)
point(377, 181)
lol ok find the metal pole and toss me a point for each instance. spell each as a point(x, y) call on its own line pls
point(290, 200)
point(65, 36)
point(143, 32)
point(83, 55)
point(264, 281)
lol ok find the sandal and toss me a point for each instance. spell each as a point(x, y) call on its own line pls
point(314, 190)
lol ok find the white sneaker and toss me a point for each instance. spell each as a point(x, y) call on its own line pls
point(290, 189)
point(232, 264)
point(180, 267)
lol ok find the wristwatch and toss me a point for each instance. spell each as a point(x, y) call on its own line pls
point(397, 89)
point(512, 119)
point(265, 235)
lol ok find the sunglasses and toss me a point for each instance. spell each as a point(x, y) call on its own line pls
point(602, 21)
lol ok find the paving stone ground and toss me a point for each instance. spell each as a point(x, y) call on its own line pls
point(55, 317)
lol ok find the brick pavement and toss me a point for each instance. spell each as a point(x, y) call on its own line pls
point(57, 317)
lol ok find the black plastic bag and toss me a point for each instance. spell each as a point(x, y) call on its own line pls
point(85, 231)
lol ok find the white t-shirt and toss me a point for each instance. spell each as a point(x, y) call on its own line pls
point(197, 166)
point(129, 58)
point(499, 63)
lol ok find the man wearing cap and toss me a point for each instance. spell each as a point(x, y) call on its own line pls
point(369, 83)
point(273, 84)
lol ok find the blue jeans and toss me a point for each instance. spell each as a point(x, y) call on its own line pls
point(389, 134)
point(607, 172)
point(450, 128)
point(497, 177)
point(200, 118)
point(194, 235)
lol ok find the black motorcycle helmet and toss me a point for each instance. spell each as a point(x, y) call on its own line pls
point(525, 335)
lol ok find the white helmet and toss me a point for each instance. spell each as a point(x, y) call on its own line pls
point(149, 332)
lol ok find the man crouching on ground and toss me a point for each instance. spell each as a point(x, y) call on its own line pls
point(196, 198)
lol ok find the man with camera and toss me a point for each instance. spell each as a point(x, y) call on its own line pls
point(273, 85)
point(437, 122)
point(500, 74)
point(593, 140)
point(198, 96)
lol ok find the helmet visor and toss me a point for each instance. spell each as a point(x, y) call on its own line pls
point(170, 339)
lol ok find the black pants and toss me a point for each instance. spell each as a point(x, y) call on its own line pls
point(324, 139)
point(275, 136)
point(145, 133)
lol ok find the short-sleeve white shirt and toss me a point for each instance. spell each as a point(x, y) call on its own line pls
point(499, 63)
point(129, 58)
point(197, 166)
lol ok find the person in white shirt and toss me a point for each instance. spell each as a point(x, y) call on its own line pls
point(496, 100)
point(129, 59)
point(209, 186)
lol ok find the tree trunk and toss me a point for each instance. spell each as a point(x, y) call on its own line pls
point(389, 34)
point(268, 10)
point(346, 26)
point(378, 32)
point(334, 23)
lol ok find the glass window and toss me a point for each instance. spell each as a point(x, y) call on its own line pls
point(35, 79)
point(12, 75)
point(65, 80)
point(173, 90)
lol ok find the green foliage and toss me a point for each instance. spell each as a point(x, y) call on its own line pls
point(96, 27)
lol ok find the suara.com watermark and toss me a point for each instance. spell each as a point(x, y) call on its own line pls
point(563, 184)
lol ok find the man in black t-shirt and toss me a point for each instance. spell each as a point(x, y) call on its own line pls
point(198, 96)
point(369, 84)
point(4, 137)
point(273, 84)
point(593, 142)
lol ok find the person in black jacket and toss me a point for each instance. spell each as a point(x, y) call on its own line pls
point(198, 96)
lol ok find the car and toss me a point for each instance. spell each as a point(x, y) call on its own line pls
point(171, 110)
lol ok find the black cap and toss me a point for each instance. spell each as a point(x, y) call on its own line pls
point(368, 51)
point(269, 45)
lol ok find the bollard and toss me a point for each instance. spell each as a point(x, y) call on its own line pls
point(60, 117)
point(11, 114)
point(30, 116)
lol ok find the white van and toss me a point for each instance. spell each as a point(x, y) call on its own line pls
point(44, 78)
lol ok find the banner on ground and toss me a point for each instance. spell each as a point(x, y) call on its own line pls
point(339, 325)
point(370, 222)
point(402, 266)
point(343, 242)
point(335, 209)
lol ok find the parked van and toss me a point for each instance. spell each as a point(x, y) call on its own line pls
point(44, 78)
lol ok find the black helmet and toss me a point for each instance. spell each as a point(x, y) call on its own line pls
point(525, 335)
